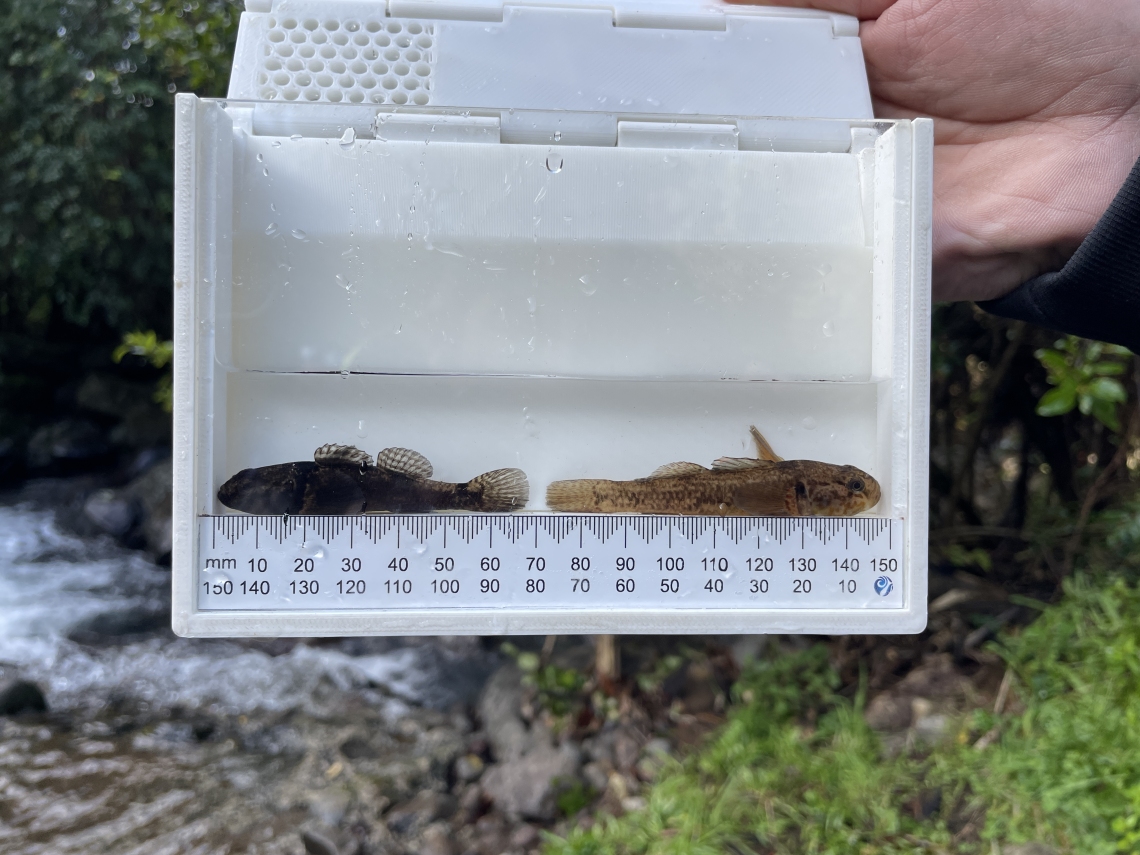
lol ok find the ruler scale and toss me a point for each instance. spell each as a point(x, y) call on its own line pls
point(540, 561)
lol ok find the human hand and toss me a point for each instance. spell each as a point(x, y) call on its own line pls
point(1037, 122)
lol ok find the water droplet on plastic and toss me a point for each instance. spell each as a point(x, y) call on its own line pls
point(277, 143)
point(409, 235)
point(771, 272)
point(554, 163)
point(809, 423)
point(272, 229)
point(531, 305)
point(557, 136)
point(260, 157)
point(361, 433)
point(348, 137)
point(295, 137)
point(344, 374)
point(588, 288)
point(265, 172)
point(828, 329)
point(299, 235)
point(343, 283)
point(824, 269)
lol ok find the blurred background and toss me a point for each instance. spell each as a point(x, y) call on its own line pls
point(1011, 725)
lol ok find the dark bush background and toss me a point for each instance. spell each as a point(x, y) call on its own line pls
point(86, 134)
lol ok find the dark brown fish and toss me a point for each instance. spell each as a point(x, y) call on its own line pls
point(735, 486)
point(342, 479)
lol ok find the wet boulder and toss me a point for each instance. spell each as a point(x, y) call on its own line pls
point(67, 445)
point(21, 696)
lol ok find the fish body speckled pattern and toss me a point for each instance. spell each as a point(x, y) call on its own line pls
point(735, 486)
point(342, 479)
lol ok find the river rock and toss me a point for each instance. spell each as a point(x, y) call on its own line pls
point(469, 767)
point(529, 786)
point(499, 712)
point(153, 491)
point(109, 395)
point(317, 844)
point(122, 624)
point(426, 807)
point(66, 443)
point(21, 696)
point(111, 512)
point(437, 839)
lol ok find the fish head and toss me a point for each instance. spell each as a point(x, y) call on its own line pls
point(842, 491)
point(270, 490)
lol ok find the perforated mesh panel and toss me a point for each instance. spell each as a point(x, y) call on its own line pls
point(372, 61)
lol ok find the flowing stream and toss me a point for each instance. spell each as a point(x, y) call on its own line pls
point(156, 744)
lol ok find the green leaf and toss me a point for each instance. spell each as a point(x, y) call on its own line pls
point(1053, 360)
point(1057, 402)
point(1105, 413)
point(1107, 389)
point(1105, 368)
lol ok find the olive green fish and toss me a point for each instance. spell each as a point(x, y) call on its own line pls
point(342, 479)
point(734, 486)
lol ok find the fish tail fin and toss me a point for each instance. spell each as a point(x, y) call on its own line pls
point(501, 489)
point(579, 495)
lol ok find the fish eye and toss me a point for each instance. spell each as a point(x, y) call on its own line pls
point(856, 485)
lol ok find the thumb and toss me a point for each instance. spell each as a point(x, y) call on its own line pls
point(862, 9)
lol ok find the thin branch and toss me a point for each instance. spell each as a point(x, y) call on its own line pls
point(963, 480)
point(1094, 492)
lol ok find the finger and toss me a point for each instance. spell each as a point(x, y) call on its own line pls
point(864, 10)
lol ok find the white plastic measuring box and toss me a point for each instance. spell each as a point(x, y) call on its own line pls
point(579, 239)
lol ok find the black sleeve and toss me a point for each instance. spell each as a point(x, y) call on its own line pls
point(1097, 294)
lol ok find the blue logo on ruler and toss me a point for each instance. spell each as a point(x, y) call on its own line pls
point(883, 586)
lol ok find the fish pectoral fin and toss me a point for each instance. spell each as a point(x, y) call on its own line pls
point(761, 500)
point(405, 462)
point(679, 468)
point(730, 464)
point(342, 455)
point(763, 449)
point(501, 489)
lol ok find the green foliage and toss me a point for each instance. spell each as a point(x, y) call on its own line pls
point(1083, 374)
point(651, 680)
point(960, 556)
point(574, 798)
point(1069, 767)
point(559, 689)
point(1065, 770)
point(772, 780)
point(86, 137)
point(158, 353)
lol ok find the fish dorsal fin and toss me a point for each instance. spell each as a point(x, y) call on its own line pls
point(404, 461)
point(729, 464)
point(342, 455)
point(763, 449)
point(679, 468)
